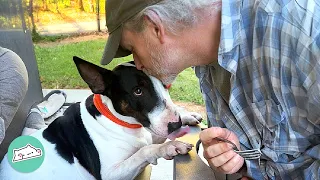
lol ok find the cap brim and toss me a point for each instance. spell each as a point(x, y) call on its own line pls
point(113, 48)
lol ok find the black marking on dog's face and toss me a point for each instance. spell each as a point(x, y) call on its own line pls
point(72, 140)
point(133, 94)
point(130, 90)
point(97, 78)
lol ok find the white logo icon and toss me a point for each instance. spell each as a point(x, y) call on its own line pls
point(25, 153)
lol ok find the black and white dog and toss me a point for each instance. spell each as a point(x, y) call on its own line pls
point(105, 136)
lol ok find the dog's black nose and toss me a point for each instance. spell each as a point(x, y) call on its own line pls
point(172, 126)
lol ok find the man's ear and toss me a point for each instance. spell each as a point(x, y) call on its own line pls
point(154, 22)
point(93, 75)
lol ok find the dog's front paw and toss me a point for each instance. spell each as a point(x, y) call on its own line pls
point(190, 118)
point(172, 148)
point(167, 150)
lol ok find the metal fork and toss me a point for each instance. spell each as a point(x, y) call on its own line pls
point(246, 154)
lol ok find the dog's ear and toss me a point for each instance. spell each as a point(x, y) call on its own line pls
point(93, 75)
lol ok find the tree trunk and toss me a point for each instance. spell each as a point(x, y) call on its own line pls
point(98, 14)
point(31, 16)
point(91, 6)
point(80, 3)
point(57, 7)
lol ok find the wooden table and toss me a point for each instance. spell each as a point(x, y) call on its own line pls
point(190, 166)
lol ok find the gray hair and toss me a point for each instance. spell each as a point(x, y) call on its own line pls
point(175, 15)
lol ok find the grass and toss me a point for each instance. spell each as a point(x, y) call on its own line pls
point(186, 88)
point(57, 70)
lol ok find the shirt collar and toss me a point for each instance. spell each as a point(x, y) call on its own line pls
point(230, 34)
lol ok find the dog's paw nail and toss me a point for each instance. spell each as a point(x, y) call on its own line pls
point(154, 162)
point(189, 145)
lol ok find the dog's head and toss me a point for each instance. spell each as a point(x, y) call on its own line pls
point(133, 94)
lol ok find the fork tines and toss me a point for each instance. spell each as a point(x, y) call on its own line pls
point(249, 154)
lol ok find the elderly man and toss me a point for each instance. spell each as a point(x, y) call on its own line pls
point(258, 67)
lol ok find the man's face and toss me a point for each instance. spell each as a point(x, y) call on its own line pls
point(162, 60)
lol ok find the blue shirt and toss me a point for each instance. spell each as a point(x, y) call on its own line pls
point(271, 51)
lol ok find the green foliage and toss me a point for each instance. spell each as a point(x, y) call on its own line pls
point(55, 5)
point(10, 14)
point(4, 23)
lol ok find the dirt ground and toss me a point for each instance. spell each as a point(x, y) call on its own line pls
point(193, 108)
point(88, 37)
point(74, 39)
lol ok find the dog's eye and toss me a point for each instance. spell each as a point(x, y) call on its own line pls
point(137, 92)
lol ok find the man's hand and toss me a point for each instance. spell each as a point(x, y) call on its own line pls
point(220, 155)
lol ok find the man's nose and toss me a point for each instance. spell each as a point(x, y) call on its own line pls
point(137, 62)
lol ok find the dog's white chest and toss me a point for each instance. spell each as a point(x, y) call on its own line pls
point(113, 142)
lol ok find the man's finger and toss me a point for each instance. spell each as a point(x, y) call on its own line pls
point(222, 158)
point(233, 165)
point(217, 149)
point(207, 135)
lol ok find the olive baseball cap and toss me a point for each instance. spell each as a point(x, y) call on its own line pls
point(118, 12)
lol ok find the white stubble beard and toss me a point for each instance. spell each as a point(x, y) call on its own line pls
point(159, 71)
